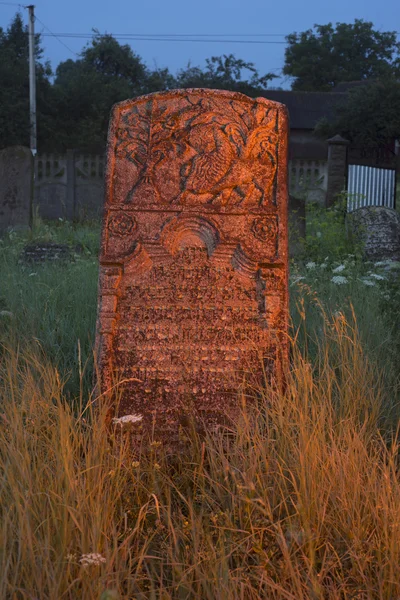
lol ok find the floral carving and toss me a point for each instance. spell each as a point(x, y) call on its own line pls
point(265, 228)
point(122, 225)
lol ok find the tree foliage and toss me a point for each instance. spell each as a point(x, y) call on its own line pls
point(369, 116)
point(320, 58)
point(14, 88)
point(85, 89)
point(224, 73)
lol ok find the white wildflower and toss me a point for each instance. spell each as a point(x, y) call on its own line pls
point(368, 282)
point(339, 280)
point(127, 419)
point(6, 313)
point(376, 276)
point(339, 269)
point(319, 234)
point(323, 265)
point(91, 559)
point(311, 265)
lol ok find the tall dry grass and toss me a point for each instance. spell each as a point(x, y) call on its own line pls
point(301, 500)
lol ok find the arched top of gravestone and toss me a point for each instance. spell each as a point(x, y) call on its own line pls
point(224, 147)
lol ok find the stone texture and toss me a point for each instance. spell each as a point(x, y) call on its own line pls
point(16, 181)
point(378, 229)
point(194, 253)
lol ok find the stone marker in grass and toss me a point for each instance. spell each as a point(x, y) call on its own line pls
point(193, 299)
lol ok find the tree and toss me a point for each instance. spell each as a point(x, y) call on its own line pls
point(226, 73)
point(86, 89)
point(14, 88)
point(320, 58)
point(370, 115)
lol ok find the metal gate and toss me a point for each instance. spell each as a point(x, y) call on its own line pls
point(371, 177)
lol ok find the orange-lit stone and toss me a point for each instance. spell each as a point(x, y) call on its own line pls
point(194, 254)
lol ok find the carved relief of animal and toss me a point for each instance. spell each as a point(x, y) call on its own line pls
point(227, 162)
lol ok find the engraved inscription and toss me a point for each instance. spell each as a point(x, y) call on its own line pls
point(189, 320)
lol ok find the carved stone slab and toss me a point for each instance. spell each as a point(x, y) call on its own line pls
point(194, 254)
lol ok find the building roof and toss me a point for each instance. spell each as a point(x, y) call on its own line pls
point(306, 108)
point(345, 86)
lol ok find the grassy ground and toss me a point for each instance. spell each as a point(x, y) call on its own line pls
point(301, 500)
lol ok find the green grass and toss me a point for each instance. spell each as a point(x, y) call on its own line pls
point(52, 306)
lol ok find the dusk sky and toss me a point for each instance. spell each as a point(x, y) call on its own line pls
point(228, 20)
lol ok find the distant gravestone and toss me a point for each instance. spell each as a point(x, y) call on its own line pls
point(16, 180)
point(194, 254)
point(47, 252)
point(377, 228)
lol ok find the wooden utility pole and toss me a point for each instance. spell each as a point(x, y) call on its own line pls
point(32, 80)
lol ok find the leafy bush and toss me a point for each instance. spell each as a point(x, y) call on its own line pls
point(326, 233)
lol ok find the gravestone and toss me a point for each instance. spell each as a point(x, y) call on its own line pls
point(16, 181)
point(377, 229)
point(47, 252)
point(194, 254)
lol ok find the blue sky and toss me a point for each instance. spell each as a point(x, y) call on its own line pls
point(221, 17)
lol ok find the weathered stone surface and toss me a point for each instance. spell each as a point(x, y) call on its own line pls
point(16, 173)
point(378, 229)
point(193, 263)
